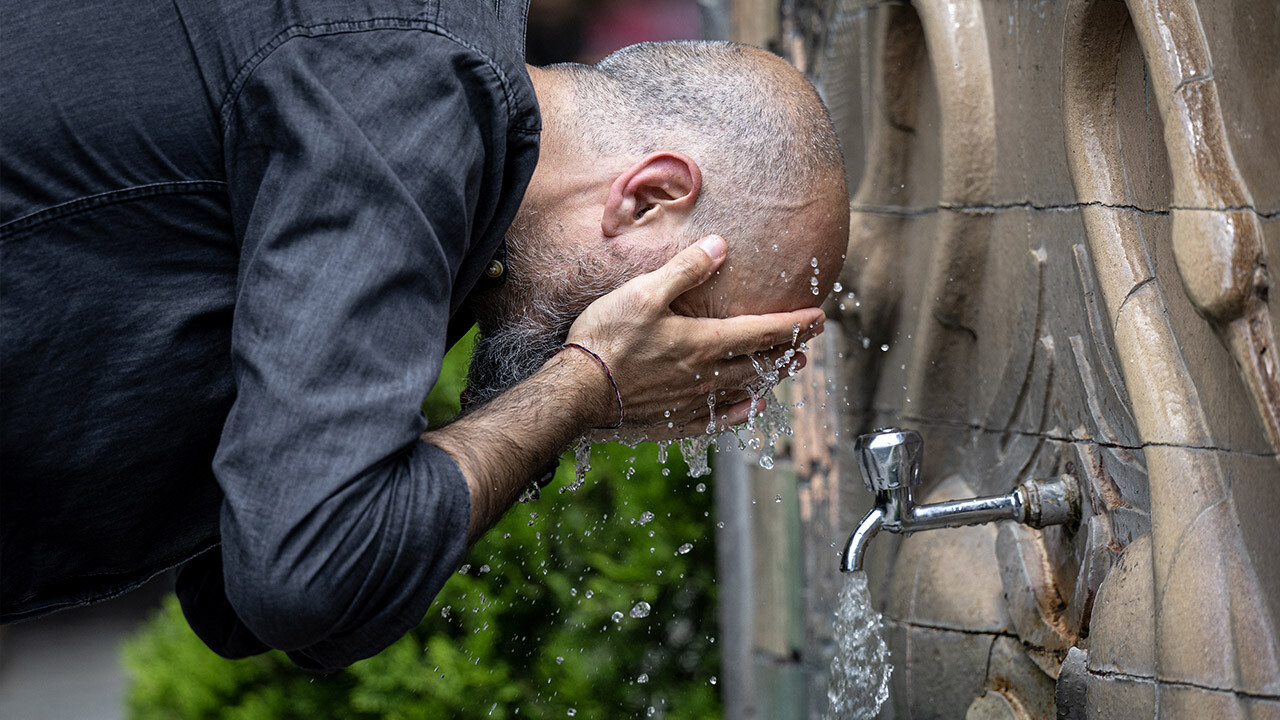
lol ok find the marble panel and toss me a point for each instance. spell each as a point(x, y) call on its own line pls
point(1025, 41)
point(1243, 36)
point(937, 673)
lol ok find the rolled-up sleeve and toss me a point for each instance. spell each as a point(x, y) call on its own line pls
point(358, 162)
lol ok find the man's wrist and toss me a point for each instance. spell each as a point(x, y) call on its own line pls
point(588, 394)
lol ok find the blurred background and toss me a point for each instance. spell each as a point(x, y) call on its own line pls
point(585, 31)
point(599, 603)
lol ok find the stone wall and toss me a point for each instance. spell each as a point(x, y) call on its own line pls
point(1061, 219)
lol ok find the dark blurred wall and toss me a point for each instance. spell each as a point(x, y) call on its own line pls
point(587, 30)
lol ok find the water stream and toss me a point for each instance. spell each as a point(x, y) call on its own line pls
point(860, 670)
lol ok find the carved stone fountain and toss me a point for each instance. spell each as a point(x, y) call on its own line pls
point(1060, 232)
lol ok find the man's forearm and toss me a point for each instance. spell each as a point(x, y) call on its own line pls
point(501, 445)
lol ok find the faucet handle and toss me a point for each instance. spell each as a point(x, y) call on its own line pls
point(890, 458)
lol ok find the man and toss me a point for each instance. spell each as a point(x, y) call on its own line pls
point(238, 239)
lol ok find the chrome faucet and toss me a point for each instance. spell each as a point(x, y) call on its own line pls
point(890, 462)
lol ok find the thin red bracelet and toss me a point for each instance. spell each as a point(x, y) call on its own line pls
point(622, 411)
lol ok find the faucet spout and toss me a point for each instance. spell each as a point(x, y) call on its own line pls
point(856, 548)
point(890, 462)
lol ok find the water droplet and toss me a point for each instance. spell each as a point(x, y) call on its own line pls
point(884, 348)
point(813, 262)
point(617, 616)
point(559, 659)
point(590, 594)
point(644, 678)
point(685, 548)
point(700, 487)
point(777, 498)
point(837, 287)
point(571, 712)
point(713, 679)
point(766, 462)
point(640, 610)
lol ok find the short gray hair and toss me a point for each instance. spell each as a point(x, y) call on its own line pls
point(757, 134)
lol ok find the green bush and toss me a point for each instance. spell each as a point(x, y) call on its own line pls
point(526, 628)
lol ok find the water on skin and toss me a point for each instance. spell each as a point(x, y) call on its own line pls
point(860, 670)
point(771, 424)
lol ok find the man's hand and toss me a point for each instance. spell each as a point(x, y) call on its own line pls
point(667, 365)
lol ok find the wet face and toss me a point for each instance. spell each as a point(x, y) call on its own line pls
point(590, 222)
point(557, 267)
point(790, 261)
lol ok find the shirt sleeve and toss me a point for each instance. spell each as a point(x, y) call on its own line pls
point(358, 164)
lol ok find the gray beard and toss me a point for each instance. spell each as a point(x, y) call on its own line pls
point(532, 317)
point(505, 357)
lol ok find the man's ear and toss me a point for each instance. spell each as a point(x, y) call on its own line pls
point(664, 183)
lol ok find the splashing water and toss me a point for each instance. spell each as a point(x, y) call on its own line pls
point(860, 670)
point(582, 465)
point(694, 451)
point(761, 432)
point(772, 425)
point(711, 405)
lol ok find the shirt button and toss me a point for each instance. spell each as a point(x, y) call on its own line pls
point(494, 270)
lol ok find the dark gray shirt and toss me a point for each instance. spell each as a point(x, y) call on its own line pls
point(234, 234)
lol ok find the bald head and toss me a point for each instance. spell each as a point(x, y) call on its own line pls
point(642, 154)
point(772, 174)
